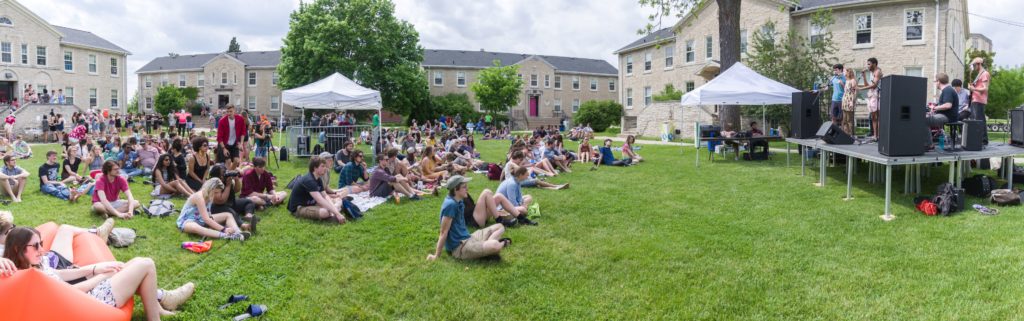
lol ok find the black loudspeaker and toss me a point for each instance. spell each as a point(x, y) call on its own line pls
point(902, 130)
point(1017, 127)
point(974, 132)
point(302, 147)
point(805, 115)
point(832, 134)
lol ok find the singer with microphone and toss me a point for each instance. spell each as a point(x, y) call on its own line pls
point(838, 84)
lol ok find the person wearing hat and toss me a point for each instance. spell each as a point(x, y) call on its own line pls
point(979, 93)
point(333, 194)
point(454, 236)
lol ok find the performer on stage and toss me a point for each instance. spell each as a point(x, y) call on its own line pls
point(945, 111)
point(873, 94)
point(838, 83)
point(979, 93)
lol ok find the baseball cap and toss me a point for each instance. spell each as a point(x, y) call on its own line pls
point(457, 180)
point(326, 155)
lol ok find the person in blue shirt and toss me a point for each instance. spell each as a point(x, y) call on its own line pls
point(838, 83)
point(454, 236)
point(511, 190)
point(608, 158)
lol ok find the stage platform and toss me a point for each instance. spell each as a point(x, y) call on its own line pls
point(869, 152)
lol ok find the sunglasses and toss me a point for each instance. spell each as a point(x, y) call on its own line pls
point(36, 245)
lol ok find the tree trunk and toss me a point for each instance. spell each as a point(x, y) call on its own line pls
point(729, 48)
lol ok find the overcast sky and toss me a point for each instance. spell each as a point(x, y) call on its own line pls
point(150, 29)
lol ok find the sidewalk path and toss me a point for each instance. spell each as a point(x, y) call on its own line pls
point(643, 142)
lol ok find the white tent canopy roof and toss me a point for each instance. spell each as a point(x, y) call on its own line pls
point(740, 85)
point(334, 92)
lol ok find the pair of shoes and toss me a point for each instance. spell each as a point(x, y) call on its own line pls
point(506, 221)
point(523, 220)
point(174, 298)
point(103, 231)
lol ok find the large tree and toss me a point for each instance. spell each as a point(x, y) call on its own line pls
point(233, 46)
point(361, 39)
point(498, 88)
point(168, 99)
point(728, 35)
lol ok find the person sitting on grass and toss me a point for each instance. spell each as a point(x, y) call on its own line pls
point(627, 150)
point(258, 185)
point(431, 166)
point(343, 156)
point(13, 178)
point(607, 158)
point(49, 182)
point(454, 236)
point(132, 163)
point(308, 199)
point(69, 167)
point(148, 154)
point(519, 160)
point(584, 151)
point(489, 205)
point(112, 283)
point(510, 189)
point(242, 209)
point(21, 148)
point(109, 186)
point(385, 184)
point(352, 172)
point(197, 218)
point(325, 180)
point(552, 154)
point(166, 180)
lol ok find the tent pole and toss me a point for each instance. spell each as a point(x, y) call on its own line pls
point(763, 122)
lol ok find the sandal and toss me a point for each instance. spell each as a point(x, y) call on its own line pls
point(986, 210)
point(505, 242)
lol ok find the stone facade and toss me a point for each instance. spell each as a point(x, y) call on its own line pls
point(29, 123)
point(980, 42)
point(33, 52)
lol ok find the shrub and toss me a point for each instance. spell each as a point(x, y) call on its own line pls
point(599, 114)
point(670, 93)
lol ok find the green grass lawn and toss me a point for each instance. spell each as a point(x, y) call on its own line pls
point(662, 240)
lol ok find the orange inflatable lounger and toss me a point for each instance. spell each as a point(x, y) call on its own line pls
point(31, 295)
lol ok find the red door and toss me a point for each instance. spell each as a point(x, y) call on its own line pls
point(533, 106)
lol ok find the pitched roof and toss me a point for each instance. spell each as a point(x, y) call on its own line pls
point(196, 61)
point(652, 38)
point(814, 4)
point(484, 59)
point(85, 38)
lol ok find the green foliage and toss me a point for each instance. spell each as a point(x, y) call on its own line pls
point(168, 99)
point(361, 39)
point(190, 93)
point(1004, 92)
point(133, 105)
point(793, 60)
point(450, 104)
point(670, 93)
point(498, 88)
point(233, 46)
point(599, 114)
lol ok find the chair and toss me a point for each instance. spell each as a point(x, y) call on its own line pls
point(955, 128)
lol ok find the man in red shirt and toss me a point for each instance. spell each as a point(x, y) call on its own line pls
point(230, 131)
point(979, 93)
point(258, 185)
point(107, 190)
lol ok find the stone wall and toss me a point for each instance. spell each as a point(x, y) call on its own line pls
point(651, 118)
point(29, 119)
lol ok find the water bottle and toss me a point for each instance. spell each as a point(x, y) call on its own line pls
point(942, 141)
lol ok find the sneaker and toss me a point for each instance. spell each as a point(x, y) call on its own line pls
point(253, 221)
point(526, 221)
point(506, 221)
point(103, 231)
point(174, 298)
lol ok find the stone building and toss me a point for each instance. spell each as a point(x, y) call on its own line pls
point(247, 80)
point(87, 68)
point(908, 37)
point(980, 42)
point(553, 87)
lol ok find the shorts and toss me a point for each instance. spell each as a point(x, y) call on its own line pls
point(529, 182)
point(104, 293)
point(473, 247)
point(836, 110)
point(309, 212)
point(873, 101)
point(233, 150)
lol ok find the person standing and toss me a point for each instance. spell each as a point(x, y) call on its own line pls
point(850, 102)
point(230, 130)
point(838, 85)
point(873, 94)
point(979, 94)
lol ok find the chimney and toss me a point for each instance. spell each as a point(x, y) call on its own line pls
point(481, 49)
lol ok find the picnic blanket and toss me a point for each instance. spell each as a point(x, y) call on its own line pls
point(365, 202)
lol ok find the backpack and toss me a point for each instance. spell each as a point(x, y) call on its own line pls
point(159, 208)
point(979, 185)
point(284, 154)
point(121, 237)
point(948, 199)
point(493, 172)
point(1005, 197)
point(351, 209)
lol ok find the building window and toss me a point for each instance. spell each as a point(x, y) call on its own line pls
point(41, 55)
point(92, 97)
point(149, 81)
point(164, 80)
point(252, 78)
point(252, 102)
point(547, 81)
point(149, 103)
point(689, 86)
point(558, 82)
point(113, 98)
point(743, 41)
point(647, 96)
point(6, 21)
point(5, 48)
point(558, 106)
point(913, 71)
point(575, 82)
point(629, 65)
point(69, 95)
point(629, 97)
point(24, 54)
point(817, 32)
point(273, 78)
point(533, 80)
point(768, 31)
point(669, 53)
point(438, 78)
point(611, 85)
point(575, 105)
point(201, 80)
point(863, 25)
point(915, 24)
point(234, 78)
point(520, 77)
point(275, 102)
point(647, 61)
point(223, 78)
point(689, 51)
point(92, 64)
point(460, 79)
point(113, 66)
point(181, 80)
point(709, 48)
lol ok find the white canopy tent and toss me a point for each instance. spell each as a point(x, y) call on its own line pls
point(739, 85)
point(335, 92)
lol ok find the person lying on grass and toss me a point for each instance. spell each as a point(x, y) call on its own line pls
point(112, 283)
point(165, 177)
point(13, 178)
point(509, 188)
point(196, 216)
point(519, 160)
point(109, 186)
point(258, 185)
point(454, 236)
point(607, 158)
point(49, 182)
point(308, 199)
